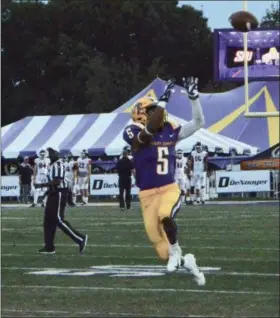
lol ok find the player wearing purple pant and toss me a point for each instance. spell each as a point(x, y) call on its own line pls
point(153, 137)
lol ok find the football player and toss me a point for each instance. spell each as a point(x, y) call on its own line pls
point(70, 167)
point(153, 139)
point(84, 172)
point(188, 173)
point(41, 166)
point(199, 166)
point(180, 176)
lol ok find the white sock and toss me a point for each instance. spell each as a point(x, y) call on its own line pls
point(174, 248)
point(193, 197)
point(202, 195)
point(45, 200)
point(188, 198)
point(86, 200)
point(36, 196)
point(83, 199)
point(74, 199)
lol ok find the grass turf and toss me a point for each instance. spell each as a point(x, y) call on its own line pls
point(242, 240)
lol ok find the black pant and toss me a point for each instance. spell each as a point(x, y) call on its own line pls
point(54, 217)
point(125, 185)
point(25, 192)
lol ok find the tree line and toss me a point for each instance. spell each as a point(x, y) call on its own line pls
point(82, 56)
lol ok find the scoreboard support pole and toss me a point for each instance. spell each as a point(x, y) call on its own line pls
point(246, 81)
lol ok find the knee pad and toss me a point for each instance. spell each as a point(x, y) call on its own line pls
point(162, 250)
point(182, 192)
point(192, 190)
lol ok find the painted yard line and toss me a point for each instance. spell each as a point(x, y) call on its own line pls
point(124, 314)
point(190, 238)
point(148, 246)
point(223, 259)
point(150, 290)
point(209, 233)
point(159, 267)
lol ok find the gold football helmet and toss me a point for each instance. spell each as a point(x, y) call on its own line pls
point(141, 107)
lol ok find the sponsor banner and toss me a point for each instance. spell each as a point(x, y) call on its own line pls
point(260, 164)
point(242, 181)
point(10, 186)
point(107, 184)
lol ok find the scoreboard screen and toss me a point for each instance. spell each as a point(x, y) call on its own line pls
point(262, 55)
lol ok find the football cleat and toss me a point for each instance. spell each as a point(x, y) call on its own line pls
point(191, 266)
point(83, 244)
point(45, 250)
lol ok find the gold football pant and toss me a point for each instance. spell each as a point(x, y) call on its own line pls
point(157, 204)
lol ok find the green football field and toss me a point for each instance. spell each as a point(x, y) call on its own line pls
point(119, 275)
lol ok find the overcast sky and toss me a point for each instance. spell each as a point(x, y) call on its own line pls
point(218, 12)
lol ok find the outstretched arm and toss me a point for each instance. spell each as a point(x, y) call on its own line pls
point(197, 121)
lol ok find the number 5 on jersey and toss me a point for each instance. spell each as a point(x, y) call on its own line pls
point(162, 162)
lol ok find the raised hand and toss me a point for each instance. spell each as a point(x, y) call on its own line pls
point(191, 86)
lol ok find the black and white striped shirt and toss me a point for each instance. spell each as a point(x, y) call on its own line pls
point(57, 170)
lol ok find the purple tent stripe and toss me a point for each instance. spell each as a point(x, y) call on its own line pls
point(45, 133)
point(78, 132)
point(114, 129)
point(14, 131)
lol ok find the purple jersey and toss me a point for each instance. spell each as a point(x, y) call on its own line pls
point(155, 164)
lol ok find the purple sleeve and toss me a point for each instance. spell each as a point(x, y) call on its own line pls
point(130, 132)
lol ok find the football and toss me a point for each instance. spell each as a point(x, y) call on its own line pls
point(243, 21)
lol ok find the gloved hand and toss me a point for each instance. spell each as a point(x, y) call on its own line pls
point(167, 91)
point(191, 86)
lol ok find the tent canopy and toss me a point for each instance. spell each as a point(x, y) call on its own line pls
point(98, 133)
point(224, 112)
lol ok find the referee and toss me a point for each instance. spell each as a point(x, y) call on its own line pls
point(125, 168)
point(55, 206)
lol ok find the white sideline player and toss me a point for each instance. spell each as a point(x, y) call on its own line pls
point(188, 173)
point(180, 176)
point(199, 165)
point(70, 176)
point(41, 166)
point(84, 172)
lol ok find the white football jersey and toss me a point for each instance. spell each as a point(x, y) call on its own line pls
point(198, 161)
point(42, 165)
point(180, 166)
point(83, 164)
point(69, 166)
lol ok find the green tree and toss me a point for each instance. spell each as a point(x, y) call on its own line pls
point(272, 17)
point(78, 56)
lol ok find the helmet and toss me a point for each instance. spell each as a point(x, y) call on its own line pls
point(179, 153)
point(84, 153)
point(198, 146)
point(68, 157)
point(139, 110)
point(43, 154)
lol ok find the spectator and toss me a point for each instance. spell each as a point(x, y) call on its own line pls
point(25, 176)
point(124, 168)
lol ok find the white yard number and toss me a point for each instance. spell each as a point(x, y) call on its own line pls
point(162, 163)
point(129, 133)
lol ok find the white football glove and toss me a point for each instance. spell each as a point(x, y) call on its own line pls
point(191, 86)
